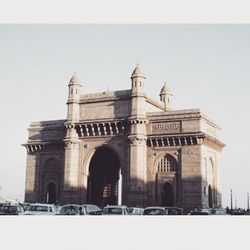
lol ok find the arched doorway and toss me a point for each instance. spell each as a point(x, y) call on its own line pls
point(167, 195)
point(103, 177)
point(51, 193)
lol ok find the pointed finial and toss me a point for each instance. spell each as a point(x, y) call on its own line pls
point(74, 79)
point(165, 89)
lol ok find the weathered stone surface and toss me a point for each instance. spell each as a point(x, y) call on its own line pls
point(162, 153)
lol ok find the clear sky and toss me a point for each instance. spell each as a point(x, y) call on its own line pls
point(205, 66)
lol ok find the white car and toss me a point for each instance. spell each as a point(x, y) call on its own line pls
point(135, 211)
point(115, 210)
point(41, 209)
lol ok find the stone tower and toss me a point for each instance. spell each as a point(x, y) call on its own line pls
point(137, 137)
point(72, 140)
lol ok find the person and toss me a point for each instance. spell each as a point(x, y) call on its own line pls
point(80, 211)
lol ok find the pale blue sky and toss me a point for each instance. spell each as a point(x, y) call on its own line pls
point(205, 66)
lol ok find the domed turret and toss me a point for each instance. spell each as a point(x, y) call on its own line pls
point(137, 79)
point(164, 89)
point(165, 96)
point(138, 72)
point(74, 79)
point(74, 98)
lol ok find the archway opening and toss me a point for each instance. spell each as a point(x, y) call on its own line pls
point(51, 193)
point(167, 195)
point(103, 177)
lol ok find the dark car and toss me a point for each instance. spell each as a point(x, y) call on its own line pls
point(199, 213)
point(154, 211)
point(174, 211)
point(11, 210)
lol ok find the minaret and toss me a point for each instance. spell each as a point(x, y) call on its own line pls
point(74, 99)
point(137, 139)
point(166, 96)
point(71, 153)
point(137, 91)
point(137, 79)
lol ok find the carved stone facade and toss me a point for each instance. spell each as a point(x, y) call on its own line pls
point(124, 147)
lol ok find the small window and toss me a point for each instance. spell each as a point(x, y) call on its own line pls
point(71, 91)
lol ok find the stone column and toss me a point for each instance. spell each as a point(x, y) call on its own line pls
point(138, 163)
point(71, 165)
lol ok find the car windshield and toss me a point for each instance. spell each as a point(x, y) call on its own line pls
point(38, 208)
point(113, 210)
point(154, 211)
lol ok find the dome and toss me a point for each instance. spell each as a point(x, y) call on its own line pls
point(165, 89)
point(137, 72)
point(75, 79)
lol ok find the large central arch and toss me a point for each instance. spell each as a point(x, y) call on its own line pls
point(103, 177)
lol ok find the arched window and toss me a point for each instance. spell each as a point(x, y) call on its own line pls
point(167, 164)
point(51, 166)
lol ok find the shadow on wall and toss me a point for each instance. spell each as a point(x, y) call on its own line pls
point(103, 182)
point(134, 193)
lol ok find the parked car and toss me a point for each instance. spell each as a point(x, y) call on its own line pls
point(75, 209)
point(198, 213)
point(247, 212)
point(71, 209)
point(135, 211)
point(11, 210)
point(25, 205)
point(91, 209)
point(41, 209)
point(98, 212)
point(217, 211)
point(115, 210)
point(154, 211)
point(174, 211)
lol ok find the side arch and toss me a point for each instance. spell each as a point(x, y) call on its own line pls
point(167, 185)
